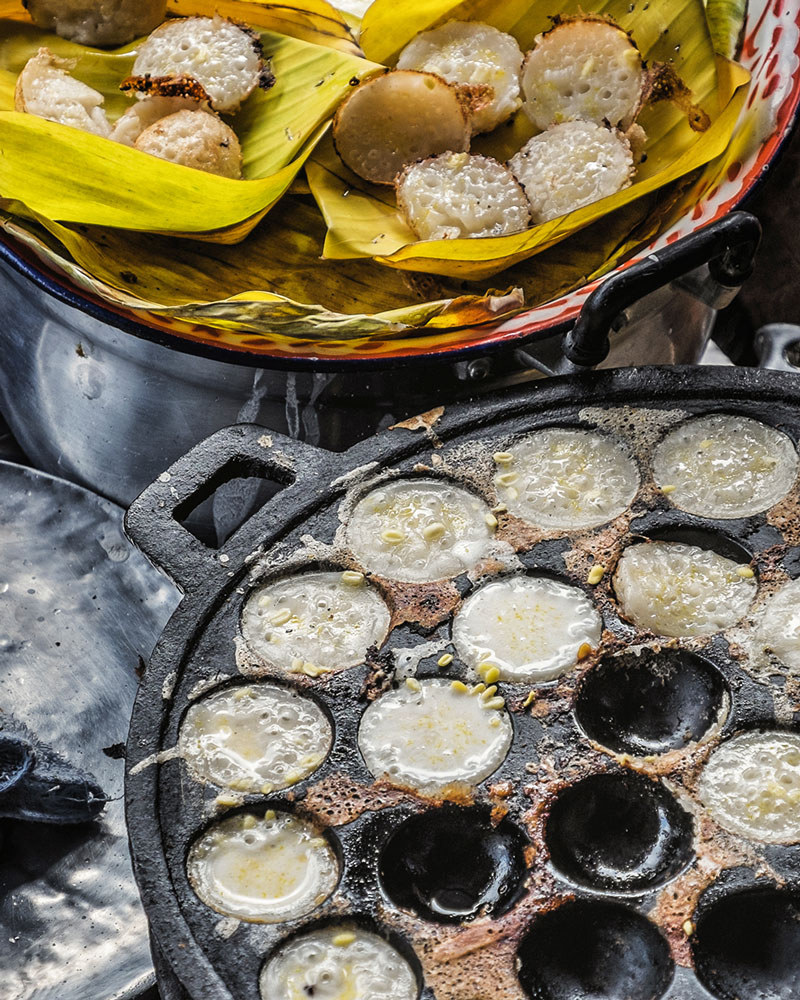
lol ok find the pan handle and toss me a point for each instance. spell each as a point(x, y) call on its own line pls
point(728, 246)
point(772, 345)
point(153, 521)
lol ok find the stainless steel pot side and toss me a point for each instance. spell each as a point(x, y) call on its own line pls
point(97, 398)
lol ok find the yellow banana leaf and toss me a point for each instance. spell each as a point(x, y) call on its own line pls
point(182, 284)
point(310, 20)
point(725, 21)
point(72, 176)
point(363, 220)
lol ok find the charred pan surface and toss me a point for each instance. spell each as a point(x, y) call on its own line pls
point(695, 693)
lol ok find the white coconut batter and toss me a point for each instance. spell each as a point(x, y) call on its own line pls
point(530, 628)
point(342, 962)
point(325, 620)
point(675, 589)
point(420, 530)
point(263, 870)
point(434, 734)
point(751, 786)
point(565, 479)
point(257, 738)
point(725, 466)
point(779, 631)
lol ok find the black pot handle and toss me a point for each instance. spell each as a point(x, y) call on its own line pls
point(728, 246)
point(153, 521)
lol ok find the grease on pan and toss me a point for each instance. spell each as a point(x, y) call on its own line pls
point(725, 466)
point(323, 619)
point(432, 735)
point(751, 786)
point(566, 479)
point(262, 870)
point(258, 738)
point(340, 962)
point(680, 590)
point(419, 530)
point(530, 628)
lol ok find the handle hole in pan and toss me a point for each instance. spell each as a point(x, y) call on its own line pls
point(231, 497)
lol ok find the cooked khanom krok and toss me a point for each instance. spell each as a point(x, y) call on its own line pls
point(222, 58)
point(725, 466)
point(339, 962)
point(257, 739)
point(525, 629)
point(433, 734)
point(262, 870)
point(420, 530)
point(314, 622)
point(469, 53)
point(97, 22)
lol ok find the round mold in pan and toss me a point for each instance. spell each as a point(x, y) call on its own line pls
point(550, 759)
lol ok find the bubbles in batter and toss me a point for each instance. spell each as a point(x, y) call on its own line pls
point(724, 466)
point(420, 530)
point(529, 628)
point(779, 631)
point(257, 738)
point(565, 479)
point(315, 621)
point(342, 962)
point(675, 589)
point(751, 786)
point(434, 734)
point(262, 870)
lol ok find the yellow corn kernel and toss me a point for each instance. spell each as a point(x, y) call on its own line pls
point(495, 703)
point(413, 684)
point(668, 489)
point(503, 457)
point(444, 660)
point(507, 479)
point(460, 687)
point(281, 618)
point(227, 800)
point(745, 572)
point(491, 675)
point(248, 821)
point(596, 574)
point(491, 522)
point(478, 688)
point(489, 692)
point(352, 578)
point(688, 927)
point(433, 532)
point(583, 650)
point(343, 939)
point(529, 700)
point(392, 536)
point(270, 815)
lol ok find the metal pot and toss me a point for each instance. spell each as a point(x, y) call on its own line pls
point(109, 402)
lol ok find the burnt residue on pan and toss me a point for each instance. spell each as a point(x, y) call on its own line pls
point(586, 864)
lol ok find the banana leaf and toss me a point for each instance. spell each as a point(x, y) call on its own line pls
point(726, 21)
point(363, 220)
point(155, 277)
point(72, 176)
point(310, 20)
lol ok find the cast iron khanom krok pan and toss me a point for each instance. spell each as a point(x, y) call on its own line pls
point(601, 879)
